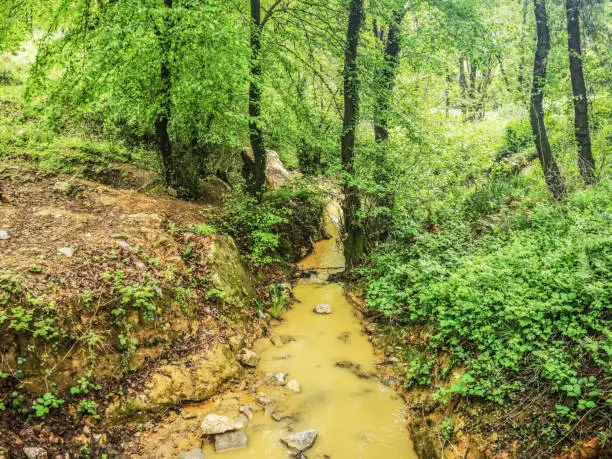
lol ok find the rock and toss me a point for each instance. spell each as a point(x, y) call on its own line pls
point(228, 273)
point(294, 386)
point(279, 340)
point(300, 441)
point(248, 358)
point(34, 452)
point(246, 411)
point(193, 454)
point(214, 424)
point(276, 174)
point(194, 380)
point(230, 441)
point(67, 251)
point(64, 187)
point(322, 308)
point(4, 235)
point(277, 379)
point(236, 342)
point(125, 246)
point(213, 189)
point(189, 415)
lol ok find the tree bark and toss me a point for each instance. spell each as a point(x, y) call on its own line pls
point(255, 130)
point(354, 241)
point(386, 77)
point(586, 163)
point(463, 86)
point(163, 114)
point(552, 175)
point(521, 67)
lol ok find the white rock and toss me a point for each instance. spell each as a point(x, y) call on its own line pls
point(294, 386)
point(278, 379)
point(300, 441)
point(322, 308)
point(4, 235)
point(214, 424)
point(34, 452)
point(67, 251)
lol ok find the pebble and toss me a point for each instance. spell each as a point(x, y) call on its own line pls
point(67, 251)
point(294, 386)
point(323, 308)
point(34, 452)
point(4, 235)
point(246, 411)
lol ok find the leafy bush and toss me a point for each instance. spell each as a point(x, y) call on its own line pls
point(526, 304)
point(517, 137)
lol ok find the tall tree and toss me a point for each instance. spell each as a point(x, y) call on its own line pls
point(552, 174)
point(163, 112)
point(586, 163)
point(255, 127)
point(385, 77)
point(354, 242)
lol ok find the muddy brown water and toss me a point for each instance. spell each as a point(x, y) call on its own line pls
point(355, 416)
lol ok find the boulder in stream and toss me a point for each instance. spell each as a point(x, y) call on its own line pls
point(300, 441)
point(230, 441)
point(323, 308)
point(215, 424)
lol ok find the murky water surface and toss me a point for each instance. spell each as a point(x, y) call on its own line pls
point(355, 416)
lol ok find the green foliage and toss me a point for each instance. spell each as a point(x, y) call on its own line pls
point(528, 298)
point(43, 405)
point(279, 299)
point(253, 226)
point(517, 137)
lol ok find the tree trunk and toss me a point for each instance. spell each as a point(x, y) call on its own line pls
point(161, 119)
point(255, 129)
point(552, 174)
point(463, 86)
point(521, 67)
point(386, 78)
point(354, 242)
point(586, 163)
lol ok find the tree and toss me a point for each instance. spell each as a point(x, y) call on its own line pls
point(354, 242)
point(586, 163)
point(552, 174)
point(255, 127)
point(163, 114)
point(385, 77)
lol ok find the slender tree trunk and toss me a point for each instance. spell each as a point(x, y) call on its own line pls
point(521, 67)
point(463, 86)
point(354, 242)
point(586, 163)
point(386, 78)
point(161, 119)
point(552, 174)
point(255, 129)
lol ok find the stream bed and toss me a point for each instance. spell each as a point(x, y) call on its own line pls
point(354, 415)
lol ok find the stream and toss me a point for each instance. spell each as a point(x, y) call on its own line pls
point(354, 414)
point(333, 363)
